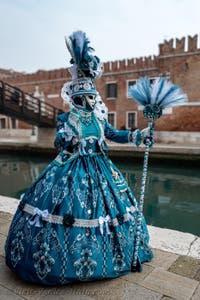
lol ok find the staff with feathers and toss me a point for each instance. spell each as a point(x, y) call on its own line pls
point(154, 98)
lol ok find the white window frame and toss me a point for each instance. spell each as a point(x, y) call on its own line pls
point(153, 78)
point(10, 123)
point(115, 117)
point(127, 81)
point(111, 98)
point(168, 111)
point(52, 96)
point(136, 118)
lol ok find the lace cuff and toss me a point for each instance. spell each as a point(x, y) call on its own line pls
point(135, 137)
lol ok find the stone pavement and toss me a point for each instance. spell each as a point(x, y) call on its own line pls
point(167, 276)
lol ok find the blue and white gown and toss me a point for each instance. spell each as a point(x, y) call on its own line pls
point(77, 221)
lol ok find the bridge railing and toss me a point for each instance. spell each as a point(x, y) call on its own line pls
point(14, 101)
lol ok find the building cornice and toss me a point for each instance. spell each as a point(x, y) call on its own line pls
point(129, 71)
point(190, 103)
point(40, 81)
point(64, 79)
point(178, 54)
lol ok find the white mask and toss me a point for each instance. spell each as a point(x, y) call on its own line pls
point(85, 101)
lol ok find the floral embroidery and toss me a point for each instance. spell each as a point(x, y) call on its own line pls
point(43, 262)
point(47, 240)
point(103, 181)
point(85, 241)
point(17, 249)
point(85, 266)
point(21, 224)
point(45, 184)
point(41, 188)
point(118, 262)
point(81, 195)
point(85, 244)
point(49, 235)
point(56, 194)
point(131, 232)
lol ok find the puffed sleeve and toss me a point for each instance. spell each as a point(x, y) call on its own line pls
point(122, 136)
point(62, 139)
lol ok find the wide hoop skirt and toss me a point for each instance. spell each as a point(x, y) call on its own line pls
point(76, 222)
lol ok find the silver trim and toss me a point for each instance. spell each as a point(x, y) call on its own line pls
point(55, 219)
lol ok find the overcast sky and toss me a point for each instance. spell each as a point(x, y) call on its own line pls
point(32, 31)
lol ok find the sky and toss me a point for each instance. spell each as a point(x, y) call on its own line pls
point(32, 31)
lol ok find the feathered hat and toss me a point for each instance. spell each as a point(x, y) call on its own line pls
point(85, 67)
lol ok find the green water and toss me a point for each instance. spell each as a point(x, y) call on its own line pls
point(172, 197)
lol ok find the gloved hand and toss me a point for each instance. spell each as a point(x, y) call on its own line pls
point(147, 135)
point(145, 132)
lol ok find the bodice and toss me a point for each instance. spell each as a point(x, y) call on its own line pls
point(89, 126)
point(90, 133)
point(82, 133)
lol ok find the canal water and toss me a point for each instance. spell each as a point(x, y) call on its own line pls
point(172, 197)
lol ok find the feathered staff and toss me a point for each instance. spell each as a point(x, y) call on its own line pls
point(154, 97)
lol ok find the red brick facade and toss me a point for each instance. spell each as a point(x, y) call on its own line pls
point(178, 59)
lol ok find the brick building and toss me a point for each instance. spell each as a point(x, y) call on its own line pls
point(178, 59)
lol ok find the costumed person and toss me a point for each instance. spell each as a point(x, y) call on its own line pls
point(77, 221)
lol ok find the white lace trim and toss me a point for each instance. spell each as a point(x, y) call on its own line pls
point(55, 219)
point(100, 109)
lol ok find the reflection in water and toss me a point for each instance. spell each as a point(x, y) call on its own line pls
point(171, 197)
point(17, 173)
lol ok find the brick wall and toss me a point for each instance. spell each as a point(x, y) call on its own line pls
point(179, 59)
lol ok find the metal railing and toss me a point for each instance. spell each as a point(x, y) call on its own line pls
point(23, 106)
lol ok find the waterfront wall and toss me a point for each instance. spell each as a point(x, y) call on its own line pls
point(41, 137)
point(16, 133)
point(185, 138)
point(45, 136)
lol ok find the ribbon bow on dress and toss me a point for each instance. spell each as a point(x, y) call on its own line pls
point(105, 221)
point(37, 216)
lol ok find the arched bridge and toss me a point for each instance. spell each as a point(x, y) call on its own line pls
point(23, 106)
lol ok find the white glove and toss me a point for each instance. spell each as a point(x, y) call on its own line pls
point(145, 132)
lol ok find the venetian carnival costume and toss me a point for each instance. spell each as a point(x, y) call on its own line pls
point(77, 221)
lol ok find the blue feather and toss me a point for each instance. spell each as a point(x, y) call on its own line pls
point(82, 54)
point(141, 91)
point(162, 82)
point(157, 96)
